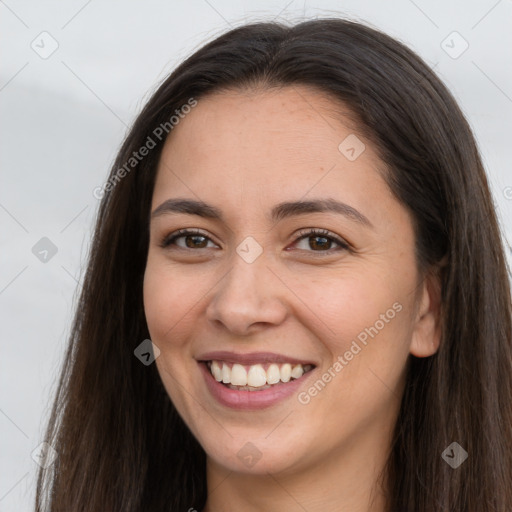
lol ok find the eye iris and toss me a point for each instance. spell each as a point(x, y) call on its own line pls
point(194, 243)
point(325, 241)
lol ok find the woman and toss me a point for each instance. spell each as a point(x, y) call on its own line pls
point(300, 222)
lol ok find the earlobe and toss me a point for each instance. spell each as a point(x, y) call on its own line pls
point(426, 336)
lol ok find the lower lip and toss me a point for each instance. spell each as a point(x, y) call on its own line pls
point(250, 400)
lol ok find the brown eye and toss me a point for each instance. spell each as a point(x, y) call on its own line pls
point(320, 241)
point(192, 240)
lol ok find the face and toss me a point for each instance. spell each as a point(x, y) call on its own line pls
point(285, 303)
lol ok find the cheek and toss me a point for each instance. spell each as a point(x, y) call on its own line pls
point(167, 301)
point(174, 300)
point(344, 306)
point(364, 331)
point(168, 316)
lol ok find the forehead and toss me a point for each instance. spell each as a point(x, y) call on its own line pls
point(245, 147)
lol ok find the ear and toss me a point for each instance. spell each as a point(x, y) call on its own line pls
point(426, 335)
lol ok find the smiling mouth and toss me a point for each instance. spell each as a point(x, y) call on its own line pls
point(256, 377)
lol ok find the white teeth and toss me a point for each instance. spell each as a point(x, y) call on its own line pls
point(238, 375)
point(256, 377)
point(216, 371)
point(273, 374)
point(226, 374)
point(286, 372)
point(297, 371)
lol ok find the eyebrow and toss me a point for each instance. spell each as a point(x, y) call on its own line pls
point(279, 212)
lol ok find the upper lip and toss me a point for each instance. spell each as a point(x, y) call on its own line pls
point(251, 358)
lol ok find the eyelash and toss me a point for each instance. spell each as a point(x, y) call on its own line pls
point(305, 233)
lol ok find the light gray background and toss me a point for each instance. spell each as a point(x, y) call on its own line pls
point(64, 116)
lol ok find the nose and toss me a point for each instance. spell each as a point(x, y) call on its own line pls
point(248, 298)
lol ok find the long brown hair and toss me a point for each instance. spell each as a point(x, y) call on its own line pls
point(121, 444)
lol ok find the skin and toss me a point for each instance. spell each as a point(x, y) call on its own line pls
point(244, 152)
